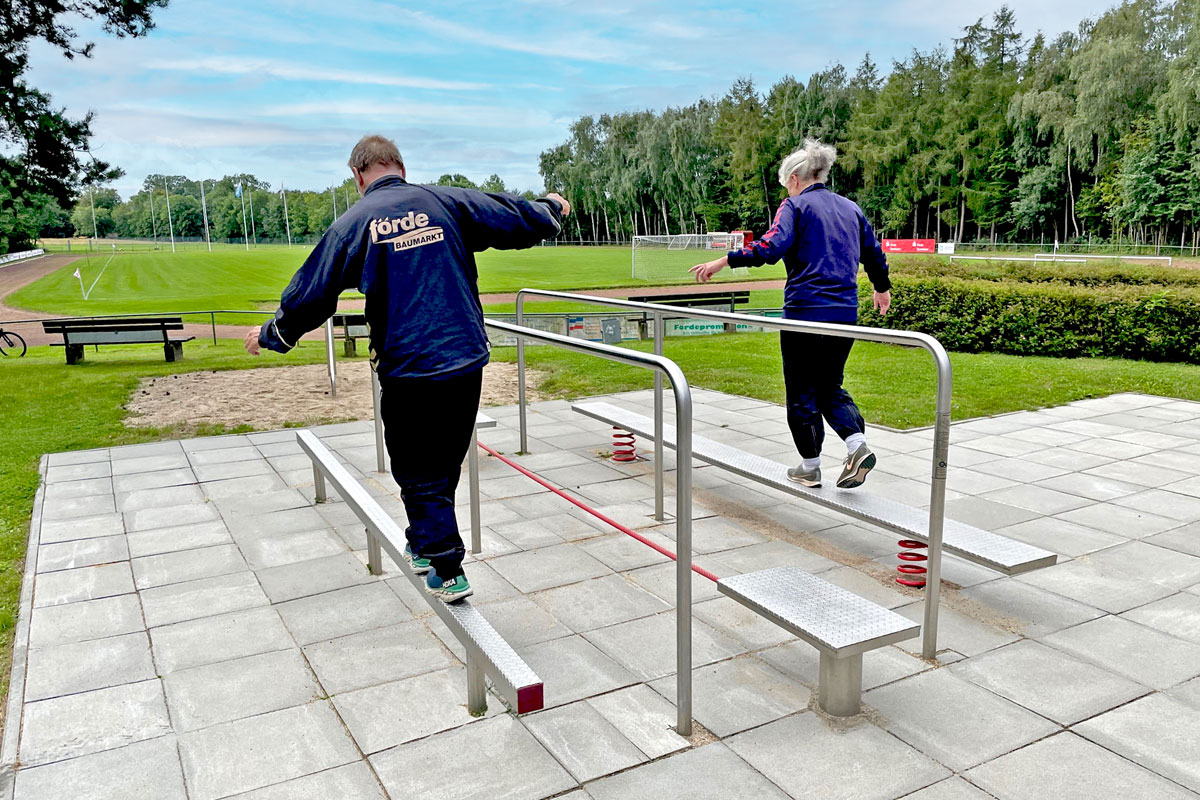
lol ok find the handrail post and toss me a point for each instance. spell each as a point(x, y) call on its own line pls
point(659, 449)
point(683, 546)
point(473, 477)
point(213, 319)
point(376, 402)
point(329, 357)
point(521, 374)
point(937, 502)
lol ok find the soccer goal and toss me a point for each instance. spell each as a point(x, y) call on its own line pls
point(670, 257)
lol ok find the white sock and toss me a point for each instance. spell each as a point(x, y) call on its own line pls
point(810, 464)
point(854, 440)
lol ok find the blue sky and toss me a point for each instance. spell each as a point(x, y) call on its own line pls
point(284, 89)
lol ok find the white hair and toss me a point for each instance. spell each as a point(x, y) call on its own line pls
point(811, 162)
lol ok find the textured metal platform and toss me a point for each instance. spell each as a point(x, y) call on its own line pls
point(965, 541)
point(511, 677)
point(483, 421)
point(826, 616)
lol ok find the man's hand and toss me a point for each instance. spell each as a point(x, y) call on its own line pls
point(882, 301)
point(704, 272)
point(251, 341)
point(562, 202)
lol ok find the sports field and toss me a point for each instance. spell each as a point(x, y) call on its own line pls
point(122, 283)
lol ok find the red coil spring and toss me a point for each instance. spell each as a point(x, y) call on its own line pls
point(624, 445)
point(909, 553)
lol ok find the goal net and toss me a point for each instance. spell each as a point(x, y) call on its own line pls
point(670, 257)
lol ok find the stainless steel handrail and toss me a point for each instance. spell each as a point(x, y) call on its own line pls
point(941, 431)
point(683, 484)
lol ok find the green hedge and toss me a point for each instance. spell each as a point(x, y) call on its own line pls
point(1093, 274)
point(1045, 319)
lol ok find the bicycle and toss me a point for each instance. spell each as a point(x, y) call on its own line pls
point(11, 344)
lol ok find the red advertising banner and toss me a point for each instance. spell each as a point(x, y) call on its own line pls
point(910, 245)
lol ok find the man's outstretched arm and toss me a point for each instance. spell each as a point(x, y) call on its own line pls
point(507, 222)
point(309, 299)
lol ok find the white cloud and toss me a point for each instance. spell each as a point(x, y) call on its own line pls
point(296, 71)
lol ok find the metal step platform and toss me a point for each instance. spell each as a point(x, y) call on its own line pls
point(973, 544)
point(487, 652)
point(840, 624)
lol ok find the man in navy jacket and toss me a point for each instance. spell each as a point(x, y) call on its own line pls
point(411, 250)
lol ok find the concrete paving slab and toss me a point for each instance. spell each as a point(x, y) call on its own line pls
point(1048, 681)
point(376, 656)
point(1188, 693)
point(599, 602)
point(229, 758)
point(548, 567)
point(243, 687)
point(583, 741)
point(78, 457)
point(620, 552)
point(644, 717)
point(147, 770)
point(1122, 646)
point(187, 565)
point(82, 553)
point(349, 782)
point(85, 583)
point(738, 694)
point(221, 638)
point(153, 480)
point(739, 623)
point(1093, 487)
point(78, 472)
point(987, 514)
point(573, 668)
point(393, 713)
point(1157, 731)
point(81, 528)
point(1060, 536)
point(982, 727)
point(170, 517)
point(205, 597)
point(1100, 586)
point(75, 507)
point(165, 497)
point(93, 619)
point(521, 621)
point(659, 579)
point(78, 724)
point(293, 520)
point(1149, 562)
point(800, 662)
point(861, 763)
point(420, 769)
point(1038, 498)
point(233, 469)
point(342, 612)
point(1174, 505)
point(1069, 768)
point(290, 548)
point(646, 646)
point(183, 537)
point(158, 463)
point(957, 631)
point(223, 455)
point(1178, 615)
point(1039, 612)
point(238, 490)
point(725, 776)
point(72, 489)
point(83, 666)
point(311, 577)
point(949, 789)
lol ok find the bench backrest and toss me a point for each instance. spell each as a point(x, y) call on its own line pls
point(112, 325)
point(354, 325)
point(696, 299)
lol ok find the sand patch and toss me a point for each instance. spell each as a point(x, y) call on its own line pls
point(272, 397)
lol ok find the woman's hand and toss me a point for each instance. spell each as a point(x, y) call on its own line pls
point(882, 301)
point(704, 272)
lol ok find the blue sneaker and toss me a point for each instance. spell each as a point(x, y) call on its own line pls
point(418, 565)
point(450, 591)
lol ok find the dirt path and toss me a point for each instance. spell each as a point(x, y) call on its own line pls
point(269, 397)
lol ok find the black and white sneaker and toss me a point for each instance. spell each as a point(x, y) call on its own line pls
point(856, 467)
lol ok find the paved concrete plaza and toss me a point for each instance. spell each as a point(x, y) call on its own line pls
point(193, 626)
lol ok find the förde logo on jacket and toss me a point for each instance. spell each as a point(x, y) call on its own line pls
point(406, 232)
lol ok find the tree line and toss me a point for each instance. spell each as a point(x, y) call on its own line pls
point(265, 214)
point(1093, 133)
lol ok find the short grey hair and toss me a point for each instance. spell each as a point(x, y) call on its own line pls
point(372, 150)
point(812, 161)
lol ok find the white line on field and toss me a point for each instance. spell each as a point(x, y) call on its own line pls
point(93, 286)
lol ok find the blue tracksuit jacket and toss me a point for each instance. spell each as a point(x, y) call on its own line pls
point(411, 250)
point(821, 237)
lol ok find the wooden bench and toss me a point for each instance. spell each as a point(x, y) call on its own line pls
point(354, 327)
point(78, 333)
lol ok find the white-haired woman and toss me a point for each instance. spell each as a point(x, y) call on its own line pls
point(821, 237)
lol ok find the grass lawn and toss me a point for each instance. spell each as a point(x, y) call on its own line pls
point(144, 281)
point(49, 407)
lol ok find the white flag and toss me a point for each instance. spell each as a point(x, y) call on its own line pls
point(77, 275)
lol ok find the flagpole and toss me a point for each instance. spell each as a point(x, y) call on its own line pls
point(204, 205)
point(245, 234)
point(92, 200)
point(81, 291)
point(253, 227)
point(287, 221)
point(333, 198)
point(170, 223)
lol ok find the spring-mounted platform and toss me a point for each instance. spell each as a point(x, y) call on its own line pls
point(624, 445)
point(910, 554)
